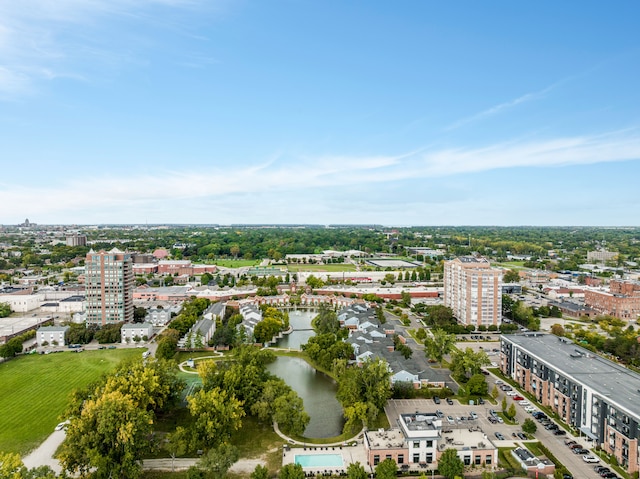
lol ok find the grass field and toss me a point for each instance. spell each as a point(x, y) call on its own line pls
point(236, 263)
point(321, 267)
point(34, 392)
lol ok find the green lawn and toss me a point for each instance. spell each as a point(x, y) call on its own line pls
point(236, 263)
point(34, 392)
point(321, 267)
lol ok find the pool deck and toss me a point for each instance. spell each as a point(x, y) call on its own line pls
point(350, 454)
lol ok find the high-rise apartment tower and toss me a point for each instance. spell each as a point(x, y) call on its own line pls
point(473, 290)
point(109, 287)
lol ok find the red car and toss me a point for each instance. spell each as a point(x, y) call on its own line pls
point(518, 398)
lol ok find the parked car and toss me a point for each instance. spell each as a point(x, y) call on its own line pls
point(473, 415)
point(522, 436)
point(436, 399)
point(499, 436)
point(580, 451)
point(590, 458)
point(569, 442)
point(524, 403)
point(560, 432)
point(598, 468)
point(450, 420)
point(517, 397)
point(450, 401)
point(439, 413)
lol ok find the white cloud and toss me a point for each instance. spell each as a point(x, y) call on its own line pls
point(308, 176)
point(494, 110)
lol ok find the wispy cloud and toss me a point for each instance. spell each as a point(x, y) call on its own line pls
point(61, 38)
point(315, 175)
point(494, 110)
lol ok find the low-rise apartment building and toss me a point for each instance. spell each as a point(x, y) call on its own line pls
point(420, 439)
point(598, 397)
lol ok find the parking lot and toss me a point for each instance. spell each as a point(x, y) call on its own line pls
point(458, 416)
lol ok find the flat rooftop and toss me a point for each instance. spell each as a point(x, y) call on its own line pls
point(619, 385)
point(17, 324)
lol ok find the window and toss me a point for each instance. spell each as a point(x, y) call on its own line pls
point(376, 460)
point(429, 443)
point(467, 460)
point(400, 458)
point(416, 444)
point(477, 460)
point(416, 458)
point(488, 458)
point(429, 458)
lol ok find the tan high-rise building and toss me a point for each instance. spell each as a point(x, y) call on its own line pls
point(473, 290)
point(109, 287)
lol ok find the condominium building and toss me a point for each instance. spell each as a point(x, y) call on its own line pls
point(598, 397)
point(473, 290)
point(109, 287)
point(76, 239)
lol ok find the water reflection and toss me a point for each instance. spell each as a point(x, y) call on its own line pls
point(318, 392)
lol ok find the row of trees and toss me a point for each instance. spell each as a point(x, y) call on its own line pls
point(14, 346)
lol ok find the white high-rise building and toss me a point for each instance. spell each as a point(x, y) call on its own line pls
point(109, 287)
point(473, 290)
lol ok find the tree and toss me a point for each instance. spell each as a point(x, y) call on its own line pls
point(260, 472)
point(139, 313)
point(439, 344)
point(327, 320)
point(289, 413)
point(557, 329)
point(511, 276)
point(217, 414)
point(387, 469)
point(177, 443)
point(450, 464)
point(511, 412)
point(5, 310)
point(477, 385)
point(494, 392)
point(529, 426)
point(355, 470)
point(11, 466)
point(504, 404)
point(218, 460)
point(291, 471)
point(111, 435)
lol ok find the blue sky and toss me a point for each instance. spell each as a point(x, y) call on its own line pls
point(294, 111)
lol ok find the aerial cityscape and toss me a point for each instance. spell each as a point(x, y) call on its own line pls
point(336, 239)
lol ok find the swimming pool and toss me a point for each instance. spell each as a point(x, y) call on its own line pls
point(319, 460)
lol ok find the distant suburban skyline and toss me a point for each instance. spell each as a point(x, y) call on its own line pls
point(331, 112)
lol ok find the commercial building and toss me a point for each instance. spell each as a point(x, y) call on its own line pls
point(109, 287)
point(622, 300)
point(473, 290)
point(599, 398)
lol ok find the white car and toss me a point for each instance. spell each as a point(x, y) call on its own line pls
point(62, 425)
point(590, 458)
point(512, 393)
point(530, 409)
point(524, 403)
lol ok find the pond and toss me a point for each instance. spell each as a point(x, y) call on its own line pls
point(300, 322)
point(318, 393)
